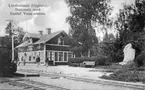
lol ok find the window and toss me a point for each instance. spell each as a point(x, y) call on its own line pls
point(69, 55)
point(53, 56)
point(50, 57)
point(60, 41)
point(60, 56)
point(29, 58)
point(30, 48)
point(29, 41)
point(56, 56)
point(65, 56)
point(38, 46)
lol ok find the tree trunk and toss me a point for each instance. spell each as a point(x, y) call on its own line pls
point(81, 54)
point(89, 53)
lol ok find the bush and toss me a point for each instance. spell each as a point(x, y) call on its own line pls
point(140, 59)
point(6, 66)
point(117, 57)
point(126, 73)
point(74, 64)
point(102, 60)
point(99, 60)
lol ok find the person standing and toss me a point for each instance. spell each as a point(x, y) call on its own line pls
point(46, 62)
point(24, 62)
point(38, 60)
point(25, 57)
point(18, 62)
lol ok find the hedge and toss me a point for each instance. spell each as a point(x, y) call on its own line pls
point(99, 60)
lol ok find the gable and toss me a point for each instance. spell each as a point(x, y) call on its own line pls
point(34, 36)
point(24, 44)
point(62, 35)
point(26, 37)
point(46, 38)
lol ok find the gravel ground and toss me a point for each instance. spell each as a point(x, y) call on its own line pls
point(90, 73)
point(75, 85)
point(67, 70)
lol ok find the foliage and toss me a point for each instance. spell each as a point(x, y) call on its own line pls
point(107, 48)
point(19, 36)
point(99, 60)
point(84, 12)
point(132, 23)
point(127, 73)
point(108, 38)
point(6, 42)
point(4, 60)
point(102, 60)
point(130, 26)
point(17, 32)
point(117, 56)
point(140, 59)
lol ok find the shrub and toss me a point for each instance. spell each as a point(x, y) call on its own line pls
point(117, 57)
point(140, 59)
point(74, 64)
point(126, 73)
point(99, 60)
point(78, 59)
point(6, 66)
point(102, 60)
point(4, 61)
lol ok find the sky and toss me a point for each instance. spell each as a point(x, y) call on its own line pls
point(55, 17)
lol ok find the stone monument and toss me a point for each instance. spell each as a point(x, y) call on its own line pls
point(129, 54)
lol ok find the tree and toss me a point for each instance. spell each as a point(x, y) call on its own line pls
point(18, 33)
point(130, 25)
point(84, 13)
point(108, 38)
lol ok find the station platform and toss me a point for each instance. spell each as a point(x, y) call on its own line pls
point(26, 74)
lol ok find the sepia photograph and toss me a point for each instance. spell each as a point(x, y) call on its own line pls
point(72, 44)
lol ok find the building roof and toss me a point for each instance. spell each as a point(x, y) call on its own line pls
point(31, 35)
point(23, 44)
point(34, 35)
point(47, 37)
point(42, 38)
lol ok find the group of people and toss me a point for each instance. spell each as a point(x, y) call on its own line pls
point(37, 61)
point(23, 61)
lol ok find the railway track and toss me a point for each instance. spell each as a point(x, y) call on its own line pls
point(97, 81)
point(104, 82)
point(31, 85)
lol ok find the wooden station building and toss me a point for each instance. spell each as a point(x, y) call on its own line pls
point(51, 46)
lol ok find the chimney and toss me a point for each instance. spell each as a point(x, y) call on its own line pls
point(48, 30)
point(41, 32)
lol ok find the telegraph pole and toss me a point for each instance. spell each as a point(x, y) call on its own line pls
point(12, 36)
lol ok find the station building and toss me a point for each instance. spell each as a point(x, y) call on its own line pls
point(51, 46)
